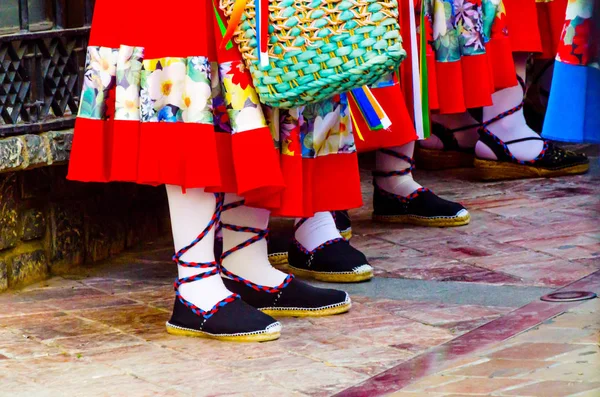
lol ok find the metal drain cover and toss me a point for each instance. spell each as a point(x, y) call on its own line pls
point(568, 296)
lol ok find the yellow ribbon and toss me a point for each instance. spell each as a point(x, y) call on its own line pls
point(234, 20)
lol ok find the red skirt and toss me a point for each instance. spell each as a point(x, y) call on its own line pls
point(161, 104)
point(468, 55)
point(535, 26)
point(389, 94)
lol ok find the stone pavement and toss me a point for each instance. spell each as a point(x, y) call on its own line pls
point(561, 357)
point(100, 331)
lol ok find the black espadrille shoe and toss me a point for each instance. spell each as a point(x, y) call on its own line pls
point(291, 298)
point(552, 162)
point(334, 261)
point(422, 207)
point(278, 245)
point(294, 298)
point(451, 156)
point(229, 319)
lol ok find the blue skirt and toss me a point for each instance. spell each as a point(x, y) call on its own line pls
point(573, 113)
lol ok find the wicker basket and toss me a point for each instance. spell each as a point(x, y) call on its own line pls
point(319, 48)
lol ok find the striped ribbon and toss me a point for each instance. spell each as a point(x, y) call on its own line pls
point(262, 26)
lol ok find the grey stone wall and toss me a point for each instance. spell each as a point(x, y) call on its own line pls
point(31, 151)
point(49, 225)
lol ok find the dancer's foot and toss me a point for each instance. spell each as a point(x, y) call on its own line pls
point(290, 297)
point(230, 320)
point(334, 260)
point(392, 203)
point(319, 250)
point(294, 298)
point(451, 144)
point(502, 153)
point(203, 305)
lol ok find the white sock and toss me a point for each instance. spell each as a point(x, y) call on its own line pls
point(317, 230)
point(466, 139)
point(190, 214)
point(400, 185)
point(511, 127)
point(251, 262)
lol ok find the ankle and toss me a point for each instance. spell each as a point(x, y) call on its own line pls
point(316, 230)
point(251, 263)
point(204, 293)
point(400, 185)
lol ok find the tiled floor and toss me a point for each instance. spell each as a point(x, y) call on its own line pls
point(561, 357)
point(100, 331)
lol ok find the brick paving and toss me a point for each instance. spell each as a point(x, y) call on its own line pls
point(100, 331)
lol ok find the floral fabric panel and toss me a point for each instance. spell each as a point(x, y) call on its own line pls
point(317, 130)
point(128, 76)
point(240, 98)
point(176, 90)
point(220, 115)
point(458, 26)
point(580, 39)
point(494, 19)
point(99, 79)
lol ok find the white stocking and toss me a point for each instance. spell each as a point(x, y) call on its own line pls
point(511, 127)
point(251, 262)
point(317, 230)
point(190, 214)
point(401, 185)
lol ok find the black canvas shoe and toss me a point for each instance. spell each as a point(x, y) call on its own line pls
point(422, 207)
point(234, 321)
point(290, 298)
point(229, 319)
point(294, 299)
point(278, 245)
point(552, 162)
point(335, 261)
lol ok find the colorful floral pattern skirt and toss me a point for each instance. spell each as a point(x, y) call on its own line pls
point(469, 55)
point(573, 113)
point(164, 103)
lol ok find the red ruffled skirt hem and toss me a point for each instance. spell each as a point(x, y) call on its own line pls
point(470, 82)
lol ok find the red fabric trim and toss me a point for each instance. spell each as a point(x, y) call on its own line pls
point(449, 87)
point(183, 154)
point(551, 19)
point(326, 183)
point(87, 152)
point(478, 85)
point(256, 163)
point(503, 66)
point(124, 147)
point(434, 101)
point(535, 27)
point(402, 129)
point(521, 19)
point(111, 28)
point(226, 168)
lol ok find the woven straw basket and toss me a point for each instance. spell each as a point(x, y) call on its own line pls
point(319, 48)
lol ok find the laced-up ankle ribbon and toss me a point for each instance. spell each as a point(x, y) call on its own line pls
point(201, 265)
point(483, 129)
point(406, 171)
point(259, 235)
